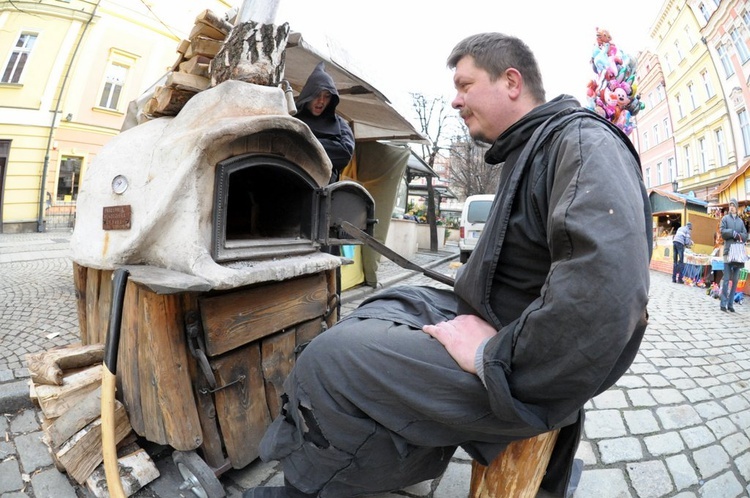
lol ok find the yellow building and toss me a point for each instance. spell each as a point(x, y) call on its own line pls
point(69, 70)
point(705, 149)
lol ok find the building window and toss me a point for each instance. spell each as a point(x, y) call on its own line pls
point(667, 63)
point(702, 154)
point(689, 36)
point(707, 84)
point(645, 140)
point(704, 11)
point(725, 62)
point(659, 179)
point(651, 100)
point(667, 131)
point(656, 134)
point(660, 91)
point(721, 147)
point(692, 96)
point(648, 177)
point(740, 45)
point(680, 113)
point(672, 170)
point(69, 178)
point(18, 58)
point(677, 50)
point(686, 151)
point(717, 2)
point(746, 18)
point(113, 83)
point(745, 129)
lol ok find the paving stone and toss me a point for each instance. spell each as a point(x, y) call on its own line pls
point(735, 403)
point(7, 448)
point(682, 471)
point(710, 410)
point(10, 476)
point(641, 421)
point(742, 419)
point(24, 422)
point(604, 424)
point(743, 465)
point(667, 396)
point(678, 417)
point(6, 375)
point(656, 381)
point(668, 443)
point(52, 483)
point(641, 397)
point(722, 427)
point(650, 479)
point(735, 444)
point(33, 452)
point(723, 486)
point(585, 453)
point(600, 483)
point(625, 449)
point(4, 424)
point(610, 399)
point(695, 437)
point(697, 394)
point(711, 460)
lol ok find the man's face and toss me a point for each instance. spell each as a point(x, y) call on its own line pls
point(481, 103)
point(732, 209)
point(317, 105)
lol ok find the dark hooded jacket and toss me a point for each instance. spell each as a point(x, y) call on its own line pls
point(561, 270)
point(330, 129)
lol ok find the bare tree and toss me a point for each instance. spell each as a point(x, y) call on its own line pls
point(468, 171)
point(434, 122)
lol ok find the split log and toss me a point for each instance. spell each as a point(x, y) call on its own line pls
point(169, 101)
point(198, 65)
point(189, 82)
point(75, 419)
point(517, 471)
point(253, 53)
point(136, 470)
point(208, 31)
point(183, 47)
point(82, 453)
point(212, 19)
point(47, 367)
point(56, 400)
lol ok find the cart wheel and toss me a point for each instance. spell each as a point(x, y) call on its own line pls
point(198, 476)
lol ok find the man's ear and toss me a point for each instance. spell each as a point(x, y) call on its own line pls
point(514, 82)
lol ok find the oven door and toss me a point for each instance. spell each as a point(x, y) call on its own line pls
point(343, 201)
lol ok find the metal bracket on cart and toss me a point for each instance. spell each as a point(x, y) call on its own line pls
point(197, 348)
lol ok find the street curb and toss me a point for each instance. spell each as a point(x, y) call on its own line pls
point(365, 290)
point(14, 396)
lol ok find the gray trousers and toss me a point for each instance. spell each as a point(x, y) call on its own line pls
point(373, 406)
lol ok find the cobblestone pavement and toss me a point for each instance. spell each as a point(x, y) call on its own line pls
point(677, 424)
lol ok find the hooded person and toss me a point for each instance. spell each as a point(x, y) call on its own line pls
point(317, 109)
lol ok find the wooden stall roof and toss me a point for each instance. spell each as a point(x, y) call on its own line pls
point(372, 114)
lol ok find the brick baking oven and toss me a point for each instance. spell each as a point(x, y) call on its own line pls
point(219, 214)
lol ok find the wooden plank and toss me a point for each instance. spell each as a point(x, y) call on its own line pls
point(333, 297)
point(104, 304)
point(47, 367)
point(307, 331)
point(56, 400)
point(75, 419)
point(517, 471)
point(203, 45)
point(212, 19)
point(241, 407)
point(183, 46)
point(79, 282)
point(128, 361)
point(81, 454)
point(206, 30)
point(171, 374)
point(170, 101)
point(277, 353)
point(185, 81)
point(92, 306)
point(233, 319)
point(149, 330)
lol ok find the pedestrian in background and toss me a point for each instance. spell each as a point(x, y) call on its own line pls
point(734, 233)
point(680, 241)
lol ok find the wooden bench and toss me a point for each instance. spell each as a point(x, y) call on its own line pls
point(517, 472)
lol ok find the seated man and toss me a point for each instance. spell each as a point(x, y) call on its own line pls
point(548, 312)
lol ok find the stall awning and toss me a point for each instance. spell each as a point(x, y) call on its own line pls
point(441, 190)
point(663, 201)
point(372, 115)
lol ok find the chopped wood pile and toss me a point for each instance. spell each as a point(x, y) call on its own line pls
point(66, 385)
point(190, 72)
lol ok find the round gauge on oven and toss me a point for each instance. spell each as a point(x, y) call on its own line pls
point(119, 184)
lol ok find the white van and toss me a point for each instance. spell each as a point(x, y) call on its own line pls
point(473, 217)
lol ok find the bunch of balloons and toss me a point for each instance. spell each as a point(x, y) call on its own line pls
point(613, 93)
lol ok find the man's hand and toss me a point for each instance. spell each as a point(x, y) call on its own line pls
point(461, 338)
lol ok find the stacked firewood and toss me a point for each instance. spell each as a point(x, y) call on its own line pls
point(190, 72)
point(66, 385)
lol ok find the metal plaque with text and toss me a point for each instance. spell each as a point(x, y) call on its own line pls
point(116, 217)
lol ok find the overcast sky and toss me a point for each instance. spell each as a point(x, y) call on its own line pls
point(400, 46)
